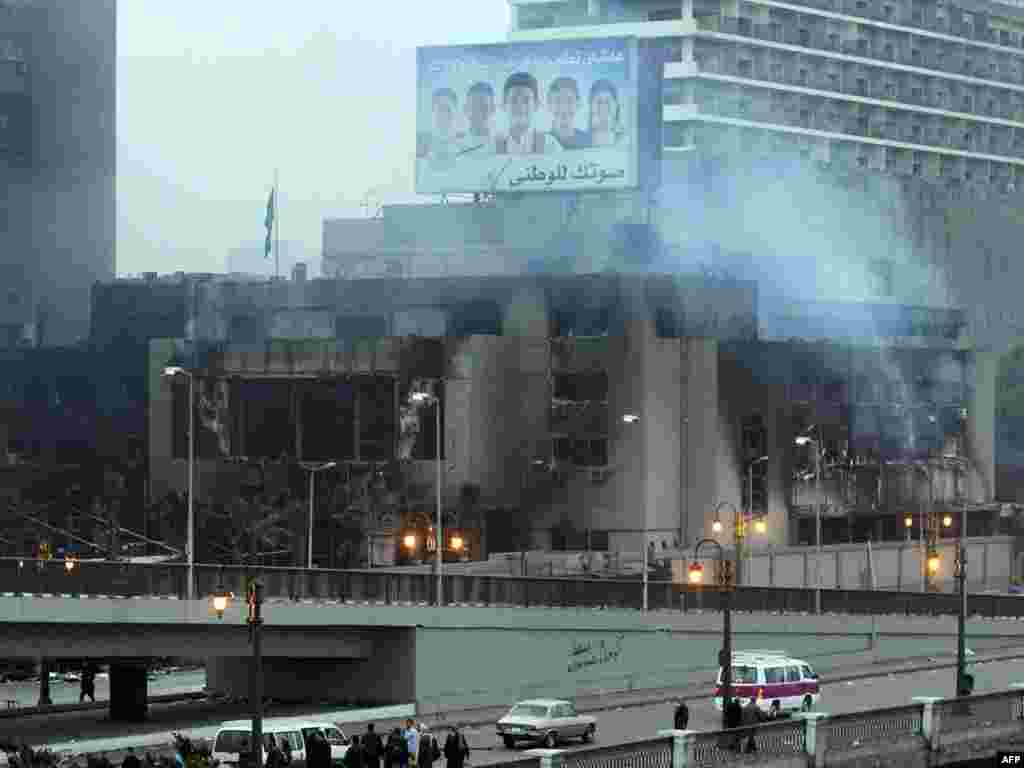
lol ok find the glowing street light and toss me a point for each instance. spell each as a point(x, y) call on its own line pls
point(409, 542)
point(696, 573)
point(947, 521)
point(717, 526)
point(457, 543)
point(760, 526)
point(933, 563)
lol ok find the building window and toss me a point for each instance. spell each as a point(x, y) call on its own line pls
point(746, 67)
point(581, 387)
point(802, 77)
point(476, 318)
point(665, 14)
point(805, 37)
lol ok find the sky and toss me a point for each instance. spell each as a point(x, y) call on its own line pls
point(214, 96)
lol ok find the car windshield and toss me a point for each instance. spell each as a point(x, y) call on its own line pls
point(334, 736)
point(232, 741)
point(529, 710)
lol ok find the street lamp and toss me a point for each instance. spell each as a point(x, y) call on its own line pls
point(947, 520)
point(410, 542)
point(805, 440)
point(170, 372)
point(696, 575)
point(632, 418)
point(737, 523)
point(313, 469)
point(220, 601)
point(908, 524)
point(428, 397)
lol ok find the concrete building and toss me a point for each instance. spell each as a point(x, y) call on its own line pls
point(538, 372)
point(57, 162)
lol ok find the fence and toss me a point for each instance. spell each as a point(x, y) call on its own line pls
point(97, 578)
point(814, 739)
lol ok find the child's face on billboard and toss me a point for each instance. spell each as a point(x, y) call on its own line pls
point(520, 106)
point(479, 111)
point(562, 103)
point(444, 115)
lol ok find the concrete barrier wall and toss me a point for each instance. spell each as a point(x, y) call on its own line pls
point(479, 666)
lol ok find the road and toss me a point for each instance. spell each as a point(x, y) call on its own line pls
point(91, 731)
point(632, 724)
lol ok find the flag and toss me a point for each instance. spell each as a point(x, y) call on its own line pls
point(269, 223)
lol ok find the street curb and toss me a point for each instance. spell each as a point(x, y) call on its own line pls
point(60, 709)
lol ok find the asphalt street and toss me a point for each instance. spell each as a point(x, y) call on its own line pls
point(630, 724)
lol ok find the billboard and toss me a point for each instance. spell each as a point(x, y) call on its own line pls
point(535, 116)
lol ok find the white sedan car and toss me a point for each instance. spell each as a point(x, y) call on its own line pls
point(545, 721)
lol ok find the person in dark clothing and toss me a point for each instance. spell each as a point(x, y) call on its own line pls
point(275, 759)
point(456, 750)
point(354, 755)
point(734, 719)
point(372, 748)
point(682, 717)
point(396, 751)
point(751, 716)
point(88, 684)
point(429, 751)
point(322, 753)
point(130, 760)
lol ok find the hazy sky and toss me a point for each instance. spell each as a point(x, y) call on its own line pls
point(212, 96)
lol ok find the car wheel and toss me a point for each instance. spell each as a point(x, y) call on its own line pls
point(510, 743)
point(551, 740)
point(588, 735)
point(773, 711)
point(808, 704)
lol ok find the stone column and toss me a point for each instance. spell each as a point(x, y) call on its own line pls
point(682, 747)
point(128, 691)
point(814, 738)
point(929, 720)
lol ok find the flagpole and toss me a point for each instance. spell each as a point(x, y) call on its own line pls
point(277, 228)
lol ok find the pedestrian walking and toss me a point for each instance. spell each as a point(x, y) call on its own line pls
point(456, 750)
point(318, 753)
point(130, 760)
point(751, 717)
point(682, 716)
point(354, 754)
point(429, 750)
point(88, 685)
point(275, 758)
point(372, 748)
point(412, 740)
point(396, 751)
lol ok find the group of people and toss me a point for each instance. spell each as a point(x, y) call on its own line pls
point(736, 716)
point(409, 747)
point(521, 100)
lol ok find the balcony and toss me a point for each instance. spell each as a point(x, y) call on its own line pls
point(879, 50)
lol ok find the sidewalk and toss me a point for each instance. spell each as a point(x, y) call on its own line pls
point(203, 724)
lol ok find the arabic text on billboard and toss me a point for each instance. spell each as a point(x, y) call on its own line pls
point(558, 115)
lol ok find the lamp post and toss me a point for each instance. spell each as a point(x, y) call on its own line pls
point(313, 469)
point(737, 522)
point(220, 602)
point(805, 440)
point(725, 656)
point(171, 371)
point(427, 397)
point(632, 418)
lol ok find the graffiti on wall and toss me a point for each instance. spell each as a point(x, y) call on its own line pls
point(590, 653)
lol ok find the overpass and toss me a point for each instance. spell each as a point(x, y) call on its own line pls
point(457, 657)
point(19, 576)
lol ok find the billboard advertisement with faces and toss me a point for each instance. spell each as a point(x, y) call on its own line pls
point(534, 116)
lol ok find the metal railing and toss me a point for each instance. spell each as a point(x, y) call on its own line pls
point(733, 746)
point(982, 711)
point(861, 728)
point(526, 762)
point(651, 753)
point(114, 579)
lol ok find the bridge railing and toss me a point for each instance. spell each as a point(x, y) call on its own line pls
point(96, 578)
point(884, 737)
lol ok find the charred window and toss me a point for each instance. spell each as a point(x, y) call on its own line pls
point(581, 387)
point(265, 411)
point(378, 420)
point(328, 421)
point(668, 324)
point(755, 452)
point(476, 318)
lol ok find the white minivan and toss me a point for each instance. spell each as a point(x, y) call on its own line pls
point(235, 737)
point(776, 681)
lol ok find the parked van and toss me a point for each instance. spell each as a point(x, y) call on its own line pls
point(778, 683)
point(234, 739)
